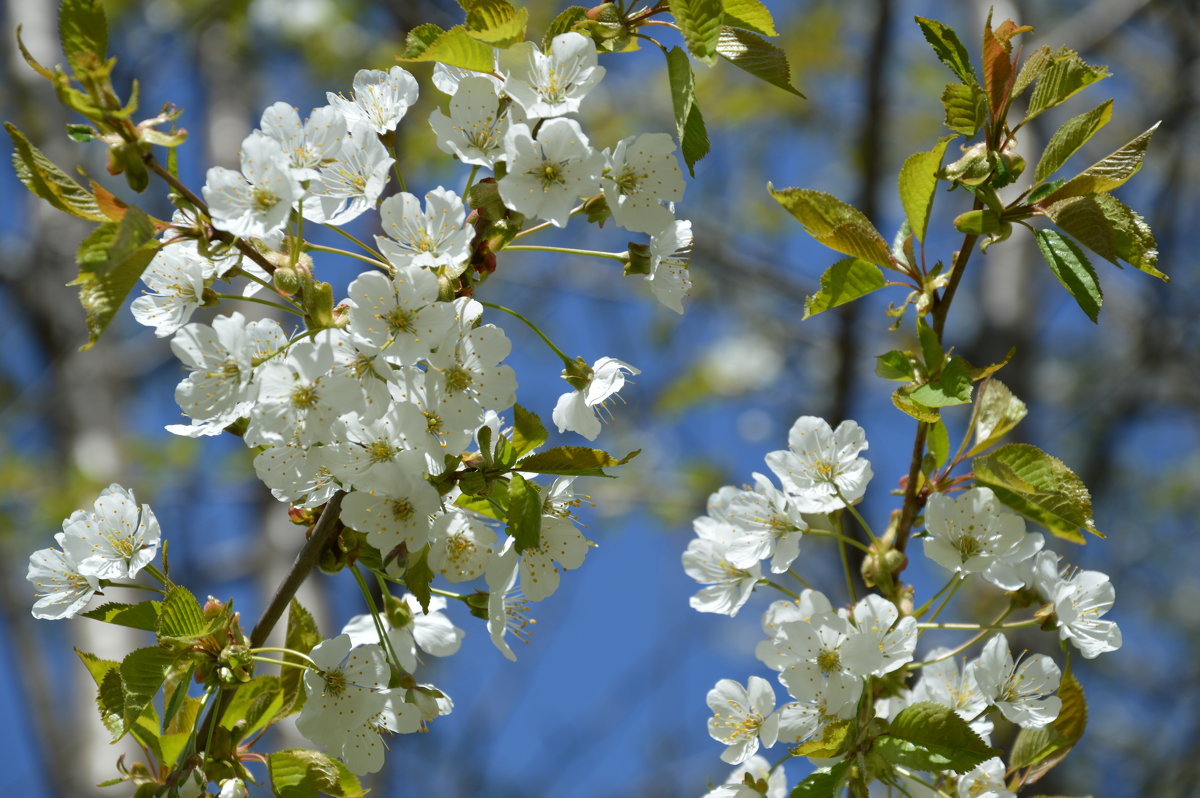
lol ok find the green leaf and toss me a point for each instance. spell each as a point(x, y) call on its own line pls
point(175, 697)
point(998, 76)
point(1067, 140)
point(904, 402)
point(418, 575)
point(1112, 230)
point(496, 22)
point(454, 47)
point(844, 281)
point(835, 224)
point(181, 615)
point(563, 23)
point(937, 735)
point(97, 667)
point(1064, 75)
point(143, 672)
point(111, 261)
point(966, 108)
point(951, 387)
point(999, 411)
point(299, 773)
point(757, 56)
point(917, 185)
point(897, 365)
point(256, 702)
point(750, 15)
point(1042, 749)
point(949, 49)
point(302, 634)
point(832, 743)
point(931, 347)
point(572, 461)
point(83, 30)
point(143, 615)
point(689, 124)
point(47, 181)
point(528, 431)
point(524, 513)
point(823, 783)
point(1072, 269)
point(939, 443)
point(1109, 172)
point(700, 23)
point(1040, 487)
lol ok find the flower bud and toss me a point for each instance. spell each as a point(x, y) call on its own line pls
point(287, 281)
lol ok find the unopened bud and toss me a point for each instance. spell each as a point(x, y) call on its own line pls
point(287, 281)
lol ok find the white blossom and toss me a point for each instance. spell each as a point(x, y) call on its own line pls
point(742, 716)
point(1021, 691)
point(758, 768)
point(61, 590)
point(434, 238)
point(508, 610)
point(116, 540)
point(548, 174)
point(985, 781)
point(976, 534)
point(553, 83)
point(399, 316)
point(706, 560)
point(175, 277)
point(461, 544)
point(641, 175)
point(379, 98)
point(350, 184)
point(820, 463)
point(1079, 603)
point(308, 145)
point(576, 410)
point(474, 131)
point(768, 525)
point(560, 542)
point(255, 202)
point(397, 506)
point(670, 249)
point(431, 632)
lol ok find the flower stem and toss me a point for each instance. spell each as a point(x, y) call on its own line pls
point(566, 360)
point(856, 544)
point(470, 180)
point(841, 539)
point(972, 627)
point(854, 512)
point(280, 662)
point(258, 301)
point(620, 256)
point(780, 588)
point(335, 251)
point(159, 575)
point(380, 629)
point(957, 584)
point(366, 247)
point(925, 607)
point(960, 649)
point(287, 651)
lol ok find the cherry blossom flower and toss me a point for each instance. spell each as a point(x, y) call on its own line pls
point(116, 540)
point(350, 184)
point(1078, 604)
point(576, 410)
point(707, 561)
point(434, 238)
point(758, 768)
point(768, 525)
point(820, 463)
point(176, 278)
point(984, 781)
point(560, 542)
point(553, 83)
point(670, 249)
point(508, 610)
point(1020, 691)
point(431, 632)
point(641, 175)
point(475, 129)
point(255, 202)
point(308, 145)
point(742, 716)
point(461, 544)
point(379, 98)
point(975, 534)
point(61, 590)
point(548, 174)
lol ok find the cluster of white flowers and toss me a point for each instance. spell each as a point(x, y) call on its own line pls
point(825, 656)
point(389, 390)
point(115, 540)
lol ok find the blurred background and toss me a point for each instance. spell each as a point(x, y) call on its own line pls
point(607, 699)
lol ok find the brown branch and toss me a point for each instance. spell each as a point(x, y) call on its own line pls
point(242, 245)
